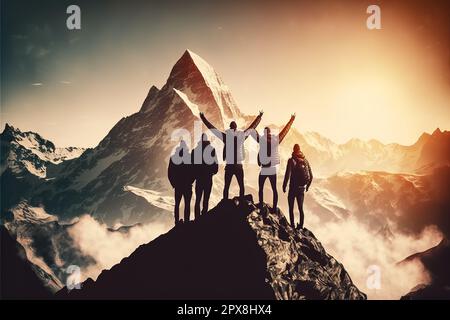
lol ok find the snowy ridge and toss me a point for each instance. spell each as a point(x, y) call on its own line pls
point(26, 213)
point(156, 198)
point(28, 152)
point(192, 106)
point(214, 82)
point(193, 76)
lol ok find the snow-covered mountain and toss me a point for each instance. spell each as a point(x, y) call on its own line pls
point(124, 180)
point(406, 202)
point(48, 245)
point(52, 248)
point(26, 160)
point(328, 157)
point(28, 152)
point(136, 150)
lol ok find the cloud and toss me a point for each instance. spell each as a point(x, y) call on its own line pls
point(108, 247)
point(360, 251)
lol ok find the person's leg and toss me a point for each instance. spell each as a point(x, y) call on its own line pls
point(207, 187)
point(198, 197)
point(187, 195)
point(226, 187)
point(273, 183)
point(240, 178)
point(291, 198)
point(300, 198)
point(261, 181)
point(178, 195)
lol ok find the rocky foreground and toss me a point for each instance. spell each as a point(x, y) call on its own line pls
point(236, 251)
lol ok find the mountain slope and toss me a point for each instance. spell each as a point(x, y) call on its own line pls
point(234, 251)
point(25, 162)
point(18, 279)
point(136, 150)
point(328, 157)
point(410, 202)
point(47, 244)
point(437, 261)
point(28, 152)
point(53, 248)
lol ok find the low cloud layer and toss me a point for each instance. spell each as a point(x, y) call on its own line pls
point(107, 247)
point(368, 256)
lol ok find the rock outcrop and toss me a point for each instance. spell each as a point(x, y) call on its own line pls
point(235, 251)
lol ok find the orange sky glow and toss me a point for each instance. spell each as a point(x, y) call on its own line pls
point(319, 61)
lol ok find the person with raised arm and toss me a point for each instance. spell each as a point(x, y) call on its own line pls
point(269, 159)
point(233, 151)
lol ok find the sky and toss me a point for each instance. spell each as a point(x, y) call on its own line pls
point(315, 58)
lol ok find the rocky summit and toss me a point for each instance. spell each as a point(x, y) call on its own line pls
point(237, 251)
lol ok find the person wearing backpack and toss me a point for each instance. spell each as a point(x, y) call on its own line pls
point(299, 175)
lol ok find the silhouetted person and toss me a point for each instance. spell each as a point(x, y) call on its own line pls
point(269, 159)
point(299, 175)
point(233, 151)
point(206, 166)
point(181, 177)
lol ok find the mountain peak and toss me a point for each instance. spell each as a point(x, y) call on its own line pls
point(9, 128)
point(437, 132)
point(151, 95)
point(234, 251)
point(201, 64)
point(196, 78)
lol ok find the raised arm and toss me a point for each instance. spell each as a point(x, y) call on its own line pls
point(219, 134)
point(251, 130)
point(254, 134)
point(287, 175)
point(255, 122)
point(286, 128)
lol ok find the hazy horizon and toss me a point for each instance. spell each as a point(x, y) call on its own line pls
point(3, 124)
point(317, 59)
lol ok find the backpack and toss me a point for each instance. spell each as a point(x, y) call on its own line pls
point(301, 167)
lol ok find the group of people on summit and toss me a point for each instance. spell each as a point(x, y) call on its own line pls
point(201, 164)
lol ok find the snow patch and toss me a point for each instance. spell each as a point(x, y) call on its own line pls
point(191, 105)
point(155, 198)
point(92, 173)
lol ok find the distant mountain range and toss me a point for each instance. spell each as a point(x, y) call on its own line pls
point(408, 202)
point(123, 179)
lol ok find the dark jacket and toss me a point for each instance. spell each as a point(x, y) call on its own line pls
point(205, 160)
point(181, 174)
point(296, 168)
